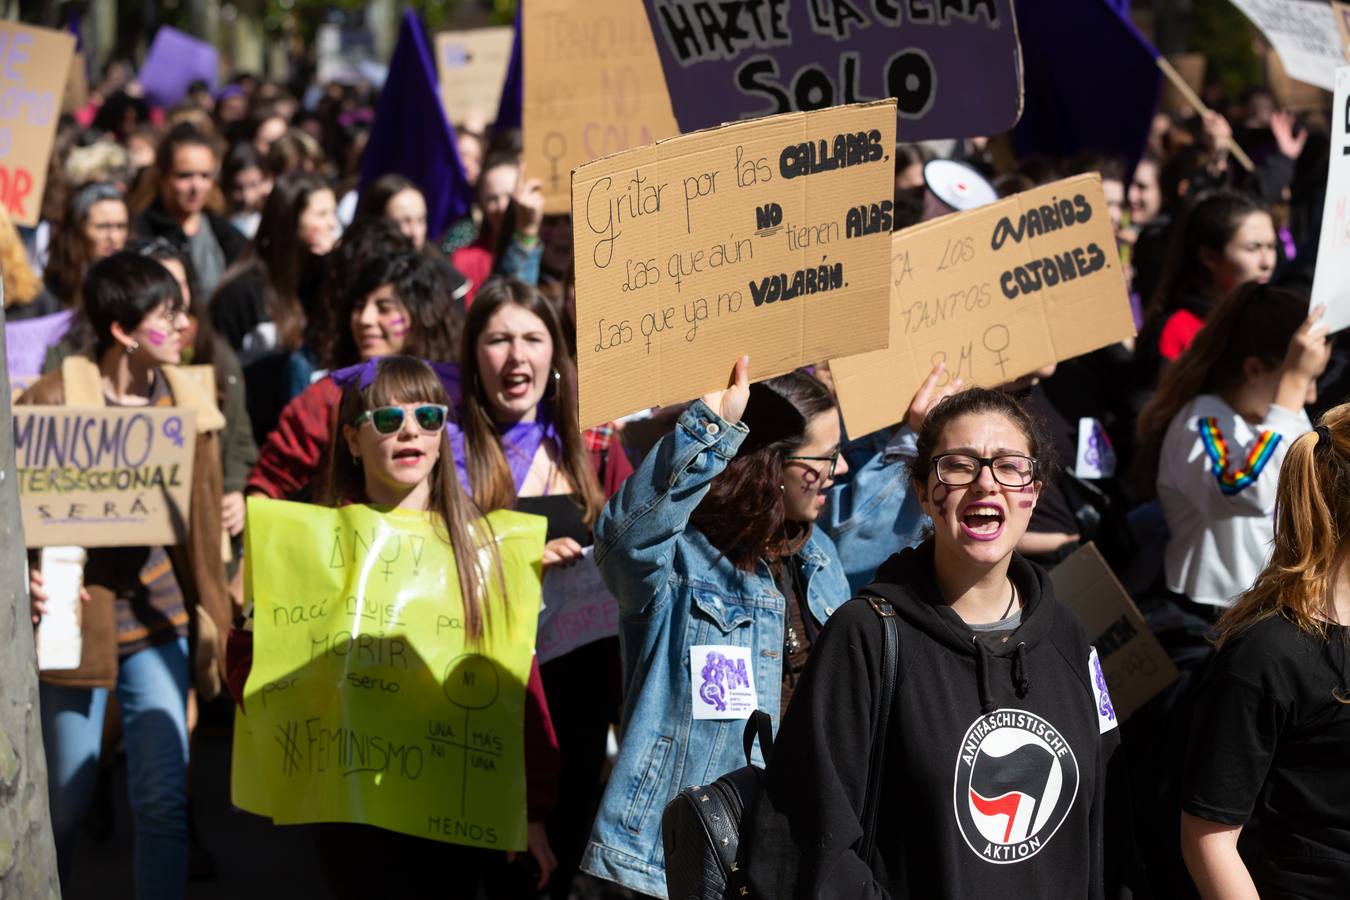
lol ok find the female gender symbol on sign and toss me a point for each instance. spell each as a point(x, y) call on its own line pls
point(472, 682)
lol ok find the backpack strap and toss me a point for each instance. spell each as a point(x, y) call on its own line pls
point(890, 673)
point(759, 724)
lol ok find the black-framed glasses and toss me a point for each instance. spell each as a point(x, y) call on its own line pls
point(1008, 469)
point(832, 459)
point(430, 417)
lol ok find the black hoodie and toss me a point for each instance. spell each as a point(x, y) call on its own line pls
point(995, 781)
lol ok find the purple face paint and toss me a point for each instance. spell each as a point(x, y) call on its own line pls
point(155, 338)
point(398, 326)
point(1026, 504)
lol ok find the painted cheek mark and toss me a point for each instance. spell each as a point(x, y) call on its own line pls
point(398, 326)
point(1026, 504)
point(940, 499)
point(154, 337)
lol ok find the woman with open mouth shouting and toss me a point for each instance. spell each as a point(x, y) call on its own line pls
point(999, 775)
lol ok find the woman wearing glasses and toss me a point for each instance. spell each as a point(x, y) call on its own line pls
point(723, 584)
point(1001, 732)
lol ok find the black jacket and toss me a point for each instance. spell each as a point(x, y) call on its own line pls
point(156, 222)
point(996, 766)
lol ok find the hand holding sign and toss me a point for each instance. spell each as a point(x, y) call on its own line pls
point(730, 402)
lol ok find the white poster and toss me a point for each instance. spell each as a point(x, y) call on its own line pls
point(1303, 32)
point(1331, 283)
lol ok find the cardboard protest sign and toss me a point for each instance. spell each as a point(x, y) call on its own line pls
point(578, 609)
point(1136, 666)
point(995, 293)
point(472, 66)
point(1331, 281)
point(769, 237)
point(1303, 32)
point(104, 477)
point(174, 61)
point(34, 63)
point(953, 66)
point(593, 86)
point(77, 84)
point(367, 702)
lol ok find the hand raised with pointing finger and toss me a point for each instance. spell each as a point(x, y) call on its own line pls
point(929, 395)
point(730, 402)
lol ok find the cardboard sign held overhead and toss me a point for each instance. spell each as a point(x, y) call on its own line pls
point(34, 65)
point(769, 237)
point(1331, 281)
point(953, 66)
point(1136, 666)
point(593, 87)
point(995, 293)
point(104, 477)
point(1303, 32)
point(472, 67)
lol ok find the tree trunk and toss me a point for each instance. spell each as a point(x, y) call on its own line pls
point(27, 853)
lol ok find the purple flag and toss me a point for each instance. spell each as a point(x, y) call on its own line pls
point(509, 111)
point(27, 341)
point(411, 135)
point(175, 61)
point(1091, 79)
point(952, 66)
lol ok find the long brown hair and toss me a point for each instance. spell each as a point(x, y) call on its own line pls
point(402, 379)
point(1256, 320)
point(742, 514)
point(1312, 522)
point(68, 259)
point(489, 474)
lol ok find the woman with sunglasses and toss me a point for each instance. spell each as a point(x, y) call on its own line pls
point(391, 448)
point(712, 544)
point(523, 449)
point(141, 603)
point(999, 753)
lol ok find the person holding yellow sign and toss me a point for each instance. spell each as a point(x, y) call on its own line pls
point(436, 746)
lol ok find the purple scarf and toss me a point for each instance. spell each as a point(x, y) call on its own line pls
point(520, 441)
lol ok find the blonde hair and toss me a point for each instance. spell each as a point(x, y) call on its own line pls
point(100, 161)
point(20, 281)
point(1312, 522)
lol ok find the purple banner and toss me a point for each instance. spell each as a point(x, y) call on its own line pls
point(175, 61)
point(27, 340)
point(952, 65)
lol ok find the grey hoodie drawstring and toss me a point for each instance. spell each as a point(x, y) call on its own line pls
point(1020, 677)
point(982, 677)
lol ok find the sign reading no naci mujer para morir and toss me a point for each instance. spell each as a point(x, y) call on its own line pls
point(368, 701)
point(102, 477)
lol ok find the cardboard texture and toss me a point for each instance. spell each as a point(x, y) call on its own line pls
point(593, 87)
point(1137, 668)
point(104, 477)
point(472, 67)
point(1303, 32)
point(1191, 67)
point(34, 65)
point(954, 67)
point(1331, 281)
point(77, 84)
point(995, 293)
point(769, 238)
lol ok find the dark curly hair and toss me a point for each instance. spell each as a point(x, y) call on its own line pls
point(981, 401)
point(742, 514)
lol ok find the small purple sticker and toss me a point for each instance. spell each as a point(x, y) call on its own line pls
point(1104, 706)
point(721, 675)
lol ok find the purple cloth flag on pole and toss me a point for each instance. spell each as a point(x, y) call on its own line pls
point(175, 61)
point(509, 111)
point(1091, 81)
point(411, 136)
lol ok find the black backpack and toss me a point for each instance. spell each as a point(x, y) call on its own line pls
point(700, 828)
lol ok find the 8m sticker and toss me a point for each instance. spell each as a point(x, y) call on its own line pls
point(1016, 780)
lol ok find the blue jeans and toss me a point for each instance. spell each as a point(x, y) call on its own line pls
point(152, 690)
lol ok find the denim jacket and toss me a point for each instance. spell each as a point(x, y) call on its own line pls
point(874, 513)
point(675, 591)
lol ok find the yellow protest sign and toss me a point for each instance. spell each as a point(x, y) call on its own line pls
point(769, 237)
point(995, 293)
point(366, 702)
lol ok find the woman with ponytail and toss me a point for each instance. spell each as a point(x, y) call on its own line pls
point(1212, 439)
point(1266, 804)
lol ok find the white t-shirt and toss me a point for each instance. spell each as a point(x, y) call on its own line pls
point(1216, 482)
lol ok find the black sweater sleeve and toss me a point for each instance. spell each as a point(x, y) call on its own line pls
point(800, 837)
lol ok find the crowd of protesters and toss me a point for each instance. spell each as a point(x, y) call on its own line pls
point(229, 231)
